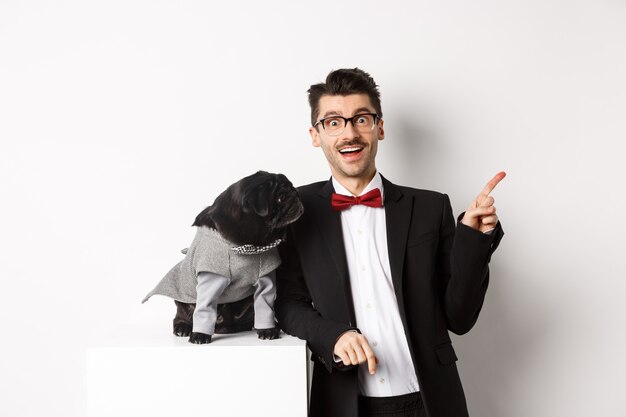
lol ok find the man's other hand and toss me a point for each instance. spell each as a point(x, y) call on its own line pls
point(353, 349)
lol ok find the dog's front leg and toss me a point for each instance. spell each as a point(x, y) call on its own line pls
point(209, 288)
point(264, 296)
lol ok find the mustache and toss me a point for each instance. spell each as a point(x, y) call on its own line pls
point(353, 142)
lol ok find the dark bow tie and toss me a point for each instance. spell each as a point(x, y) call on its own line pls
point(372, 198)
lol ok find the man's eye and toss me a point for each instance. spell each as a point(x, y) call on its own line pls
point(332, 122)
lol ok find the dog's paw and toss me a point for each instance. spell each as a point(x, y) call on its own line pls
point(182, 329)
point(200, 338)
point(273, 333)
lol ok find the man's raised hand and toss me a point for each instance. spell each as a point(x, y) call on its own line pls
point(481, 214)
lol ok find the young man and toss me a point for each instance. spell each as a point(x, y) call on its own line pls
point(375, 274)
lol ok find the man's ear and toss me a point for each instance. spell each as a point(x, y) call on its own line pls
point(315, 137)
point(381, 129)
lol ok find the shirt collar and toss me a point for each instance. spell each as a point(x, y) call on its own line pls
point(376, 182)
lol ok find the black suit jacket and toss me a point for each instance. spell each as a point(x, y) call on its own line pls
point(440, 275)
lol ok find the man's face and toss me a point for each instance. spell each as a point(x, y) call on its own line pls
point(352, 153)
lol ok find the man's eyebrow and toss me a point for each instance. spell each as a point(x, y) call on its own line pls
point(357, 111)
point(331, 113)
point(363, 110)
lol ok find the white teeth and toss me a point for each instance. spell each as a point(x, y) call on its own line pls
point(344, 150)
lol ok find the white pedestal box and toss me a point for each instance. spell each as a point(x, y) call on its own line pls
point(153, 373)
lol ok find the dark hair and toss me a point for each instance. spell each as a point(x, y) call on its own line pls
point(343, 82)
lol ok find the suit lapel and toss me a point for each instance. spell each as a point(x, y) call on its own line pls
point(398, 211)
point(398, 214)
point(330, 227)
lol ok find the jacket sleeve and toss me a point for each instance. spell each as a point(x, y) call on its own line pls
point(463, 261)
point(296, 313)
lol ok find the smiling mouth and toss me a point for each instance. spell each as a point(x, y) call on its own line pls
point(351, 150)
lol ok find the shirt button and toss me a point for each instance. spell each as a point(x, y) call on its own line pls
point(374, 343)
point(382, 380)
point(360, 231)
point(362, 268)
point(368, 305)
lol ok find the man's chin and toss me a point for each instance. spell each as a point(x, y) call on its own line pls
point(357, 172)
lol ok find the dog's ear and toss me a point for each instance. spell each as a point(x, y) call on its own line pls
point(204, 218)
point(258, 200)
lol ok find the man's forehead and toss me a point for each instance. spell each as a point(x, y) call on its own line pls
point(344, 105)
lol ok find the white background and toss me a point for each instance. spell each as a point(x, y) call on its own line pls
point(121, 120)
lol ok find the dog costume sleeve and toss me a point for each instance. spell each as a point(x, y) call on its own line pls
point(210, 287)
point(264, 297)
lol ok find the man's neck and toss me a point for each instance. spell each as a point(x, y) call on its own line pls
point(355, 184)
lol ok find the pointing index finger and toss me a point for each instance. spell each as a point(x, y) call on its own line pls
point(490, 186)
point(371, 358)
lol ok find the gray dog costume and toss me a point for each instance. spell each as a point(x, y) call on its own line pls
point(216, 271)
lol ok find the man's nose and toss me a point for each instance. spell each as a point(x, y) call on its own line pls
point(350, 131)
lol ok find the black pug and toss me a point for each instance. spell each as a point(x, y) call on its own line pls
point(226, 283)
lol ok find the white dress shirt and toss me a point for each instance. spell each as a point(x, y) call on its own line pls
point(375, 304)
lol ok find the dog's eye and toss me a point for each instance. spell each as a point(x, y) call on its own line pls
point(279, 200)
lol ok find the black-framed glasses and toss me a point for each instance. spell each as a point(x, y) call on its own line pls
point(335, 125)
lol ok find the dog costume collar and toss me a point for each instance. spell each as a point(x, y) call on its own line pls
point(255, 250)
